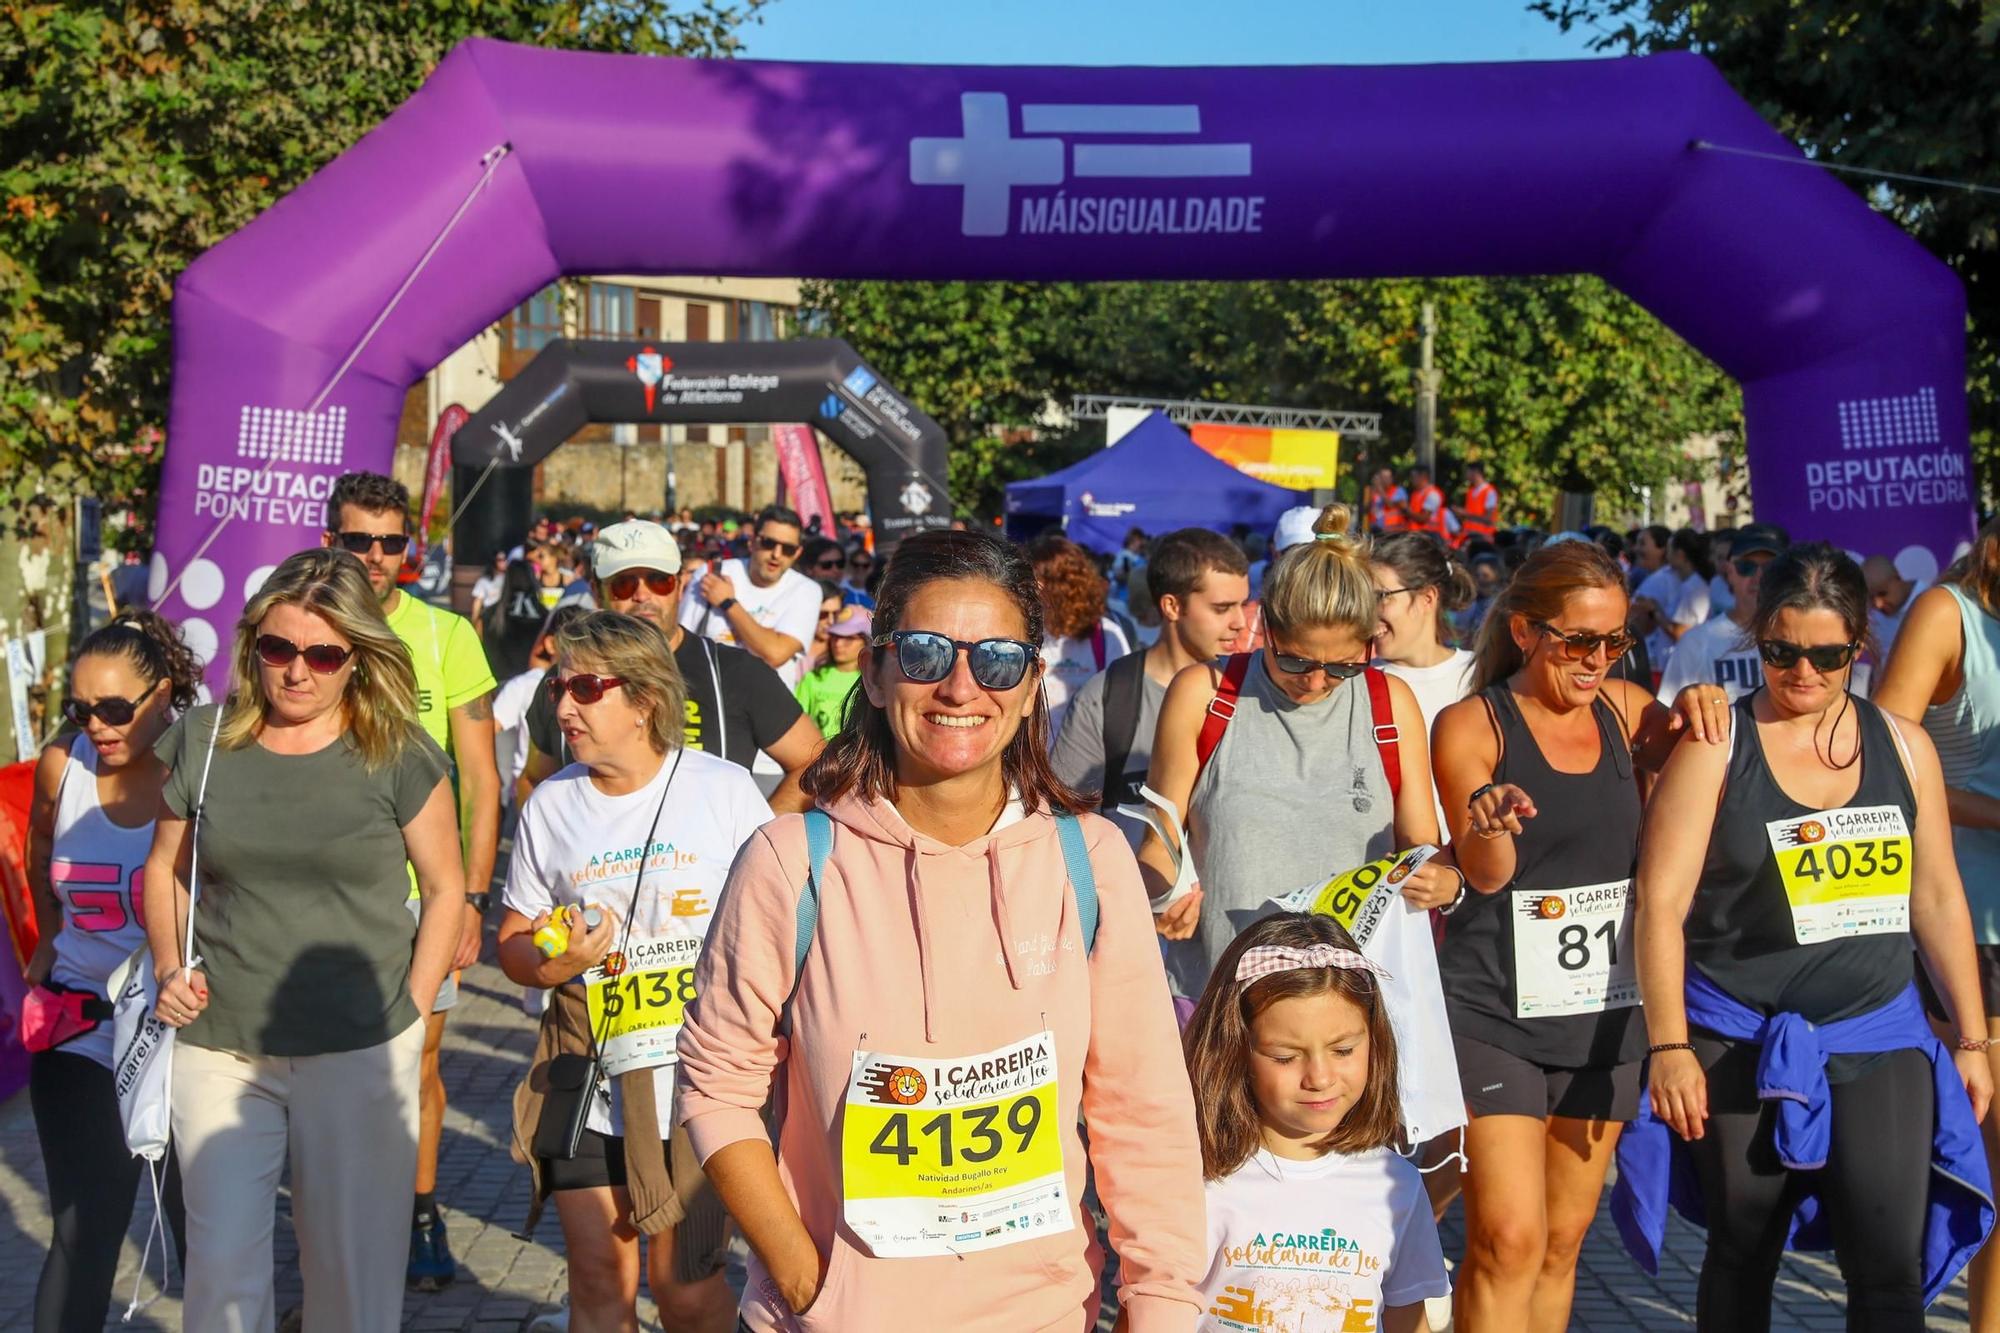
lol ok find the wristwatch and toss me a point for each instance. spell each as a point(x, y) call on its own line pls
point(722, 607)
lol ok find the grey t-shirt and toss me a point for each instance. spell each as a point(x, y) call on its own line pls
point(302, 928)
point(1078, 755)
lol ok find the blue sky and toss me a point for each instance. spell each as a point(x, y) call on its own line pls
point(1157, 32)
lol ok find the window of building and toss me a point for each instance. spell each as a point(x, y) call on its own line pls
point(611, 311)
point(758, 321)
point(537, 321)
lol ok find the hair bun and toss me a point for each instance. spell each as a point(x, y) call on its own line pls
point(1335, 524)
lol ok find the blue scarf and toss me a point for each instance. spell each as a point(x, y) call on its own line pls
point(1654, 1168)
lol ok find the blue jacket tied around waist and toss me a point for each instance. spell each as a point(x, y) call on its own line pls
point(1654, 1167)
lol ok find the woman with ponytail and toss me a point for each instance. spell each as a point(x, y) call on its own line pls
point(90, 827)
point(1945, 673)
point(1419, 588)
point(1279, 759)
point(1538, 774)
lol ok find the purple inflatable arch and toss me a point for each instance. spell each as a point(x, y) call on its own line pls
point(296, 339)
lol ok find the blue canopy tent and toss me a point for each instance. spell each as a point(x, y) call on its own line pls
point(1155, 478)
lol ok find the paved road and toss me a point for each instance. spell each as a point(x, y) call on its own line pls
point(503, 1279)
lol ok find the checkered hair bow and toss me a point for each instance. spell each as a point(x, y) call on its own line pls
point(1265, 959)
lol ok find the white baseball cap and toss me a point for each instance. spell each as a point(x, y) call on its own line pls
point(635, 544)
point(1295, 528)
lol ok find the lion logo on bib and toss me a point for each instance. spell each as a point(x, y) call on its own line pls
point(1808, 832)
point(1551, 908)
point(898, 1086)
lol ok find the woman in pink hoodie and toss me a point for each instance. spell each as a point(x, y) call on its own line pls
point(935, 1052)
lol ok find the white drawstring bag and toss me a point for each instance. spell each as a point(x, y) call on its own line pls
point(142, 1050)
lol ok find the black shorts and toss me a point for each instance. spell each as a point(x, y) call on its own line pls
point(1497, 1082)
point(701, 1235)
point(1988, 956)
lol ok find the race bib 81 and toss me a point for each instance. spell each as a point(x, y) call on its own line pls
point(1573, 950)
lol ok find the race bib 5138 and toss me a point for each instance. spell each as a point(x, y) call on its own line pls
point(638, 1000)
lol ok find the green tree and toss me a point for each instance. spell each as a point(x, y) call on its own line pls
point(135, 136)
point(1543, 379)
point(1910, 87)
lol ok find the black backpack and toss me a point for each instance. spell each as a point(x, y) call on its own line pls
point(1124, 697)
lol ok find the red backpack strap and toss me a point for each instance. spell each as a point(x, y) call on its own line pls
point(1235, 670)
point(1097, 644)
point(1386, 735)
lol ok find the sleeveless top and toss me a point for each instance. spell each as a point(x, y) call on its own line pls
point(1742, 928)
point(1585, 831)
point(96, 868)
point(1295, 793)
point(1966, 730)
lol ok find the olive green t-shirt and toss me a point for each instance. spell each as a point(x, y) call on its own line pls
point(302, 928)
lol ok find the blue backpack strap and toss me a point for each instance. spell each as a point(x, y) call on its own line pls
point(1082, 879)
point(819, 846)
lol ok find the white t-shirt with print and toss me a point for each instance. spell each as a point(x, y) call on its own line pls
point(1318, 1247)
point(1691, 602)
point(1664, 587)
point(1717, 652)
point(790, 606)
point(576, 845)
point(1067, 663)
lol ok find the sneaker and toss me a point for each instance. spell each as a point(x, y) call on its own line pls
point(431, 1266)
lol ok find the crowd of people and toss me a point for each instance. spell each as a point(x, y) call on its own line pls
point(907, 916)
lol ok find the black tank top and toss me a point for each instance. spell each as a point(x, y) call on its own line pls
point(1741, 928)
point(1585, 831)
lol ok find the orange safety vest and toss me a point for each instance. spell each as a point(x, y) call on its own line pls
point(1388, 510)
point(1482, 513)
point(1432, 522)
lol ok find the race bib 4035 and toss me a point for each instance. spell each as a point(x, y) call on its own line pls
point(1846, 872)
point(1572, 950)
point(946, 1156)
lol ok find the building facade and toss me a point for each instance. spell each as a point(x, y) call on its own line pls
point(610, 470)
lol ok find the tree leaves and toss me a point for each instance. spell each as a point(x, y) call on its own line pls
point(135, 136)
point(1543, 379)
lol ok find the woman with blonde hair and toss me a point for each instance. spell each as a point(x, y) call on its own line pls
point(1292, 763)
point(305, 795)
point(1538, 775)
point(640, 831)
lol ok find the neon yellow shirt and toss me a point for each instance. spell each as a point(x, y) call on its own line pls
point(450, 663)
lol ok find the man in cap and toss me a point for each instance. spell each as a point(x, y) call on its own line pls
point(736, 704)
point(1719, 651)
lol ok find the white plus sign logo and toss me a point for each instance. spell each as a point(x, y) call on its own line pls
point(988, 161)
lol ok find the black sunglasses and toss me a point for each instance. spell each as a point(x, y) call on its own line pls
point(773, 544)
point(322, 659)
point(113, 712)
point(393, 543)
point(1824, 656)
point(585, 689)
point(833, 564)
point(1748, 565)
point(1305, 666)
point(926, 657)
point(1580, 645)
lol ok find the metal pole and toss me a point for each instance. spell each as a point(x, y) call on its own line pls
point(1427, 392)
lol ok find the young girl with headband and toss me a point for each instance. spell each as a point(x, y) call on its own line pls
point(1312, 1213)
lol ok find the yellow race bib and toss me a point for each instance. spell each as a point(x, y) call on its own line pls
point(1846, 872)
point(638, 1001)
point(947, 1156)
point(1352, 898)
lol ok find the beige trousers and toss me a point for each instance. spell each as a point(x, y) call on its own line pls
point(347, 1123)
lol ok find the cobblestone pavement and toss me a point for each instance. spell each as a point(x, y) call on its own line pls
point(503, 1279)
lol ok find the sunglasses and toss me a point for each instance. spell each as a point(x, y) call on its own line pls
point(1824, 657)
point(1305, 666)
point(773, 544)
point(862, 562)
point(624, 587)
point(1578, 646)
point(585, 689)
point(392, 543)
point(927, 657)
point(1748, 565)
point(322, 659)
point(832, 566)
point(113, 712)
